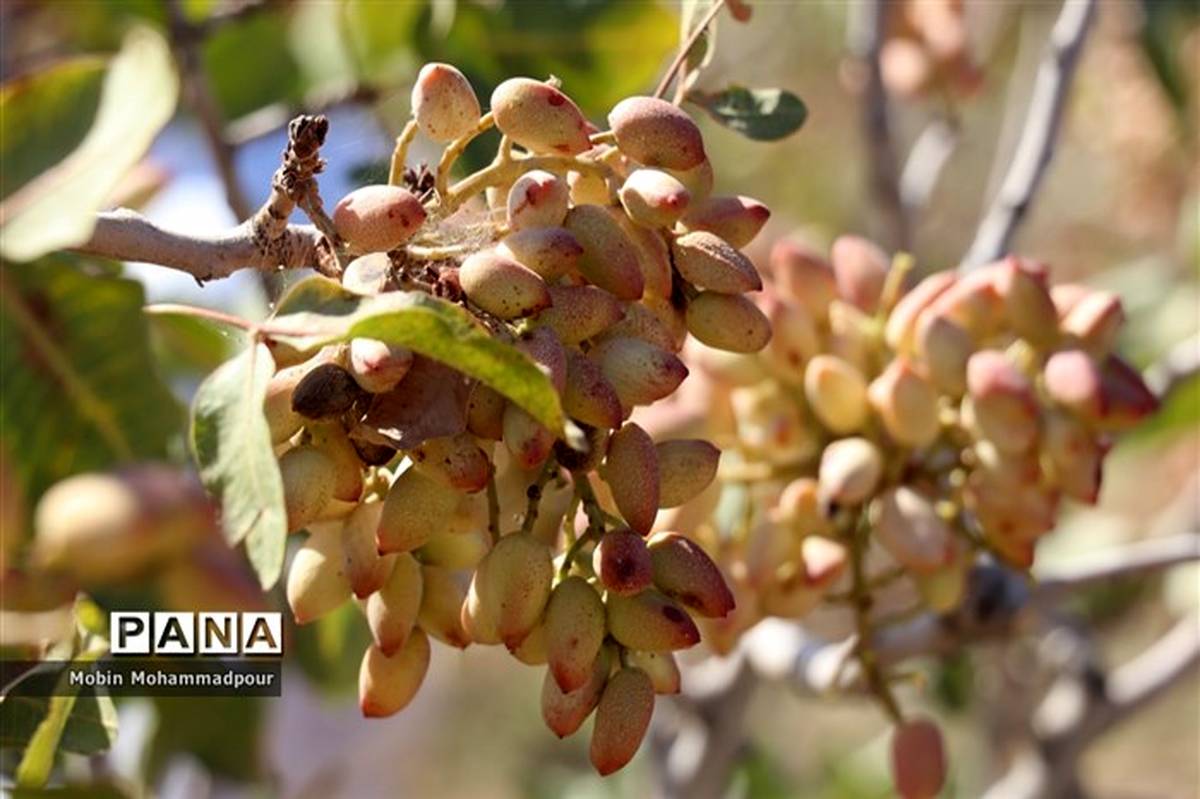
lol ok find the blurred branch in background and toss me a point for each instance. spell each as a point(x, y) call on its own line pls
point(1039, 133)
point(865, 34)
point(925, 162)
point(1176, 368)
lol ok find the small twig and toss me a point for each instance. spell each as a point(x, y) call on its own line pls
point(455, 149)
point(686, 47)
point(925, 163)
point(175, 309)
point(1131, 560)
point(533, 494)
point(1039, 132)
point(493, 506)
point(400, 153)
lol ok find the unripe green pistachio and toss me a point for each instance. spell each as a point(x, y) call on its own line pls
point(631, 472)
point(387, 684)
point(736, 219)
point(378, 366)
point(728, 322)
point(850, 471)
point(501, 286)
point(416, 507)
point(564, 713)
point(907, 525)
point(308, 477)
point(709, 262)
point(653, 198)
point(377, 218)
point(443, 103)
point(368, 274)
point(512, 583)
point(656, 133)
point(574, 631)
point(901, 329)
point(537, 199)
point(578, 313)
point(650, 621)
point(610, 258)
point(549, 251)
point(860, 268)
point(837, 393)
point(1002, 399)
point(442, 594)
point(906, 403)
point(532, 649)
point(661, 668)
point(455, 461)
point(640, 372)
point(622, 718)
point(803, 277)
point(588, 188)
point(686, 466)
point(392, 610)
point(366, 569)
point(622, 563)
point(539, 117)
point(684, 572)
point(588, 396)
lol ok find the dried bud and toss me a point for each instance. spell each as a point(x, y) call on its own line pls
point(622, 563)
point(387, 684)
point(392, 610)
point(909, 528)
point(325, 391)
point(641, 373)
point(1003, 402)
point(727, 322)
point(685, 468)
point(631, 472)
point(574, 632)
point(836, 393)
point(316, 580)
point(907, 404)
point(653, 198)
point(378, 366)
point(501, 286)
point(443, 103)
point(416, 507)
point(684, 572)
point(651, 622)
point(549, 251)
point(539, 117)
point(1127, 399)
point(735, 219)
point(610, 258)
point(850, 471)
point(656, 133)
point(860, 268)
point(709, 262)
point(918, 759)
point(377, 218)
point(622, 718)
point(537, 199)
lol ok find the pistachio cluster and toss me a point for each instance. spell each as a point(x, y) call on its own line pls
point(920, 427)
point(449, 512)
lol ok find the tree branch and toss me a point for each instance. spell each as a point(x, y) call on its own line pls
point(1177, 367)
point(265, 241)
point(1038, 135)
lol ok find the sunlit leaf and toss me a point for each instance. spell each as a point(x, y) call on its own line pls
point(81, 391)
point(57, 208)
point(232, 446)
point(760, 114)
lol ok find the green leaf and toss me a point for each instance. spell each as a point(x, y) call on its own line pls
point(43, 116)
point(251, 64)
point(57, 208)
point(38, 760)
point(225, 733)
point(232, 446)
point(759, 114)
point(318, 311)
point(380, 36)
point(81, 392)
point(91, 727)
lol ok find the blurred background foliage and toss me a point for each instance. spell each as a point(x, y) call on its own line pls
point(1119, 209)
